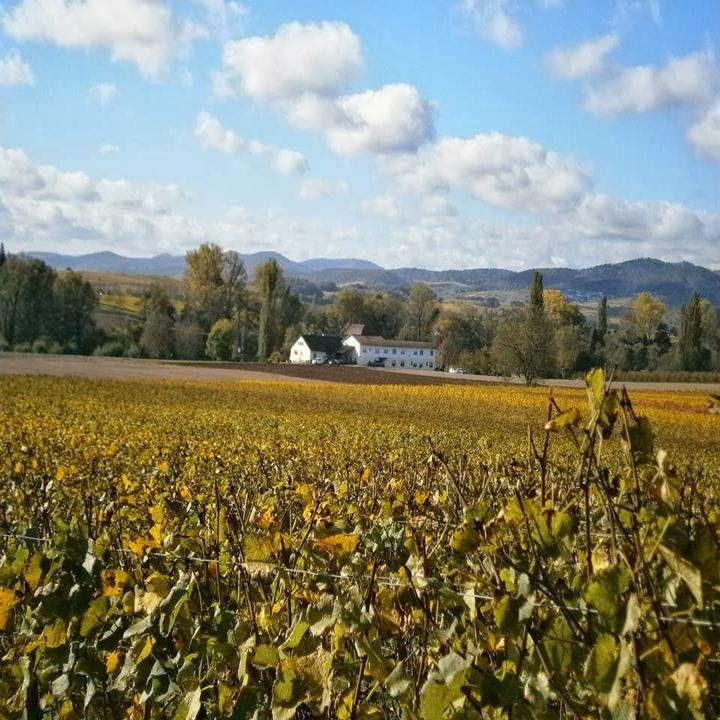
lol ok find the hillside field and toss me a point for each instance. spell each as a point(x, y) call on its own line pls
point(275, 550)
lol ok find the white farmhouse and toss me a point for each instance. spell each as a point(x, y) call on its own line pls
point(367, 349)
point(317, 348)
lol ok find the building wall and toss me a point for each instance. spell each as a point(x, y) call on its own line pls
point(300, 353)
point(395, 356)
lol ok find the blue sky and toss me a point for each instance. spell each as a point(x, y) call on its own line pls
point(466, 133)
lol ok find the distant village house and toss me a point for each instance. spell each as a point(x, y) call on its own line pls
point(353, 347)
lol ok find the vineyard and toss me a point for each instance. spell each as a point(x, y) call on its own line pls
point(268, 550)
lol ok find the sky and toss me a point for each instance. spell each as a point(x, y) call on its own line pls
point(439, 134)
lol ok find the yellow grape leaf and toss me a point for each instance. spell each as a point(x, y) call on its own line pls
point(54, 635)
point(342, 544)
point(93, 616)
point(147, 649)
point(564, 420)
point(257, 548)
point(114, 582)
point(8, 600)
point(138, 546)
point(33, 572)
point(112, 662)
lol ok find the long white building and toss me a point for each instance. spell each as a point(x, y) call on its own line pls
point(366, 349)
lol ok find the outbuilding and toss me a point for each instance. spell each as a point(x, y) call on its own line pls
point(315, 348)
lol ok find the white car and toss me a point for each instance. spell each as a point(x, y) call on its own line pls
point(459, 371)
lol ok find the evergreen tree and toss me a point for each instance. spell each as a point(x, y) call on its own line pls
point(3, 256)
point(602, 322)
point(537, 299)
point(693, 355)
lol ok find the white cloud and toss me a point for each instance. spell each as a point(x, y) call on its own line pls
point(104, 93)
point(494, 20)
point(394, 118)
point(582, 60)
point(666, 227)
point(625, 10)
point(504, 171)
point(437, 206)
point(213, 136)
point(705, 133)
point(316, 59)
point(224, 16)
point(314, 188)
point(108, 149)
point(46, 208)
point(383, 207)
point(683, 80)
point(144, 32)
point(15, 71)
point(49, 207)
point(302, 70)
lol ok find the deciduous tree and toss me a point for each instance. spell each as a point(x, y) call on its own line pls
point(421, 310)
point(75, 300)
point(646, 313)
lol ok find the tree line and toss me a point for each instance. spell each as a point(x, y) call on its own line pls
point(224, 314)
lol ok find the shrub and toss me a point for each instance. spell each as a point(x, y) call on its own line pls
point(23, 347)
point(114, 348)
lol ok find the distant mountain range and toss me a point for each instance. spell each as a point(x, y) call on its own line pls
point(174, 265)
point(674, 282)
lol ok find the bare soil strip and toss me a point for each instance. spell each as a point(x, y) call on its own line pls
point(132, 369)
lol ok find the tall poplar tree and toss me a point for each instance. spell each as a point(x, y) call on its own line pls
point(269, 281)
point(537, 300)
point(693, 355)
point(602, 321)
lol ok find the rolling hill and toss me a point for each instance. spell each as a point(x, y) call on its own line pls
point(674, 282)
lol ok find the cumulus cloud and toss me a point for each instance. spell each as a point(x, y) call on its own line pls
point(314, 58)
point(213, 136)
point(394, 118)
point(45, 208)
point(108, 149)
point(55, 208)
point(15, 71)
point(143, 32)
point(582, 60)
point(303, 69)
point(626, 10)
point(104, 93)
point(688, 79)
point(705, 134)
point(224, 16)
point(504, 171)
point(437, 206)
point(494, 20)
point(384, 207)
point(314, 188)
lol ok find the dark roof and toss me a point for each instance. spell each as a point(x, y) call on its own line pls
point(353, 329)
point(323, 343)
point(382, 342)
